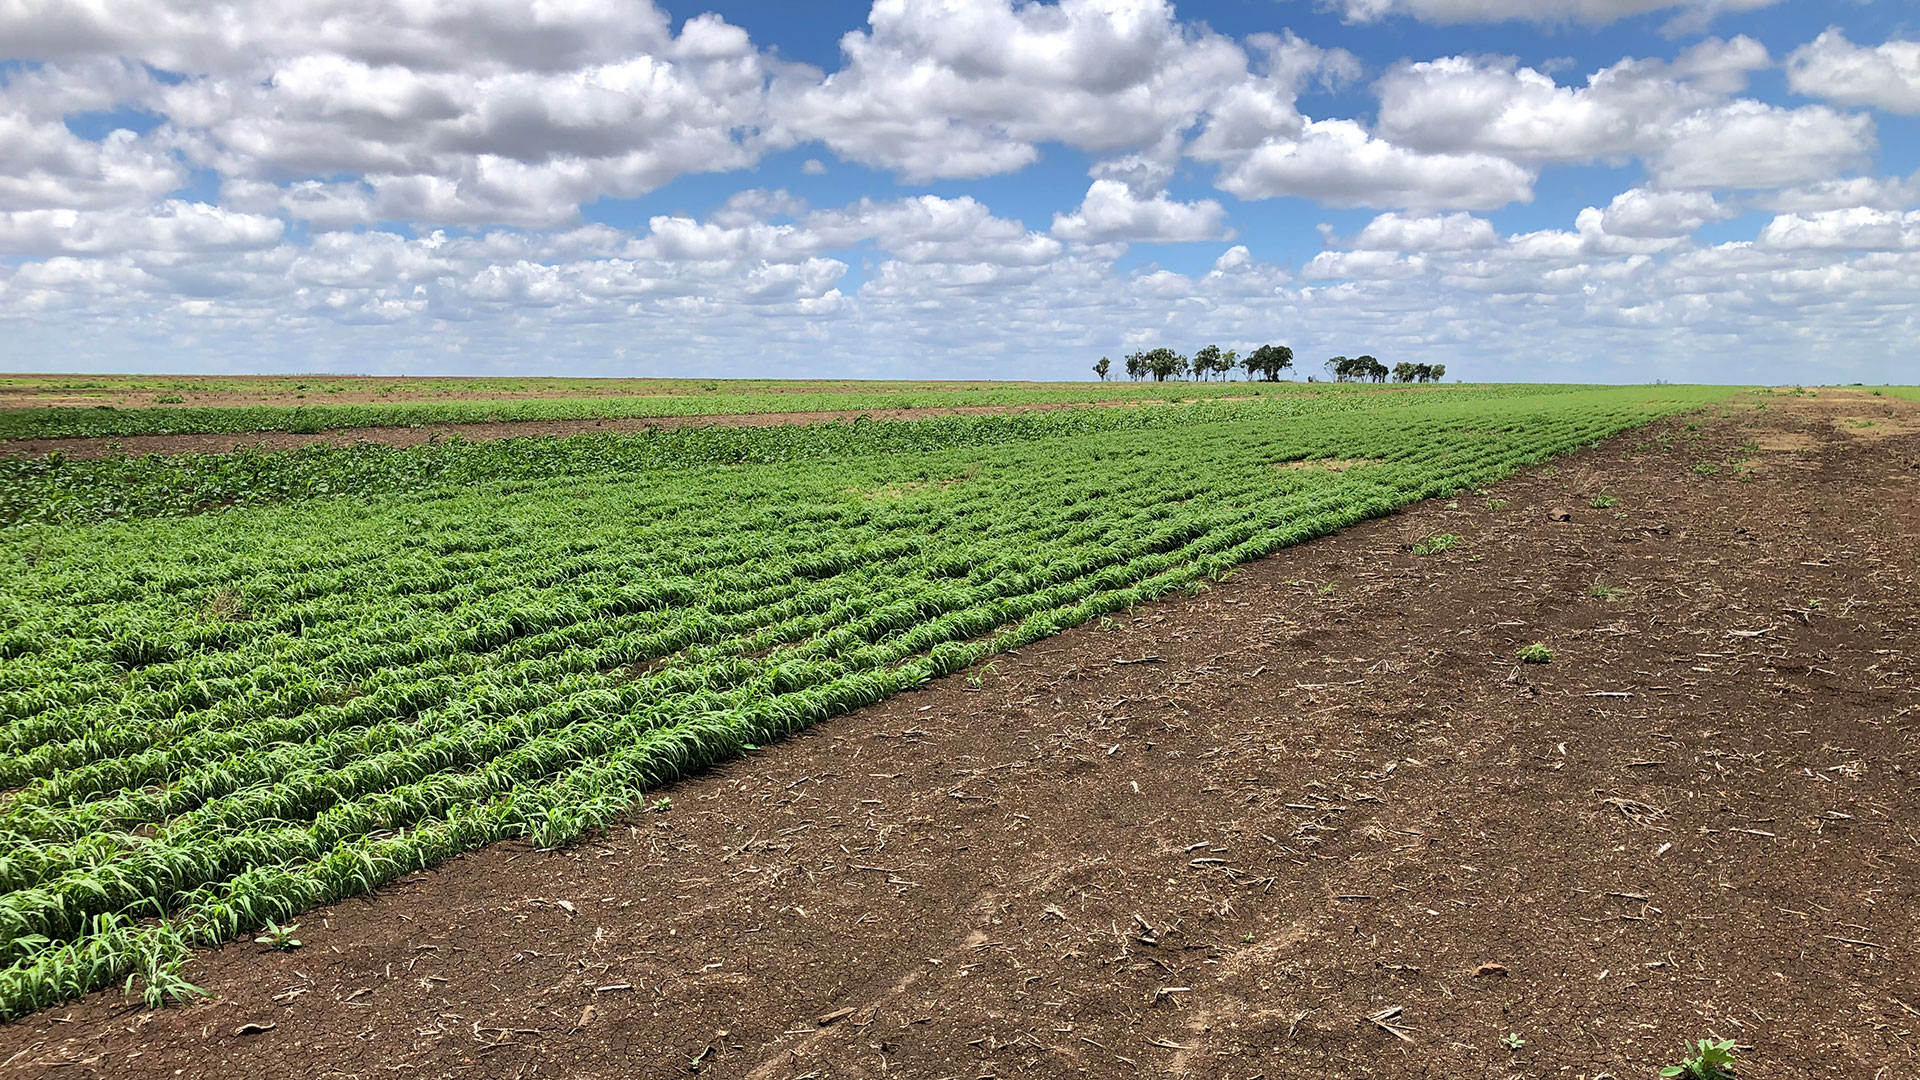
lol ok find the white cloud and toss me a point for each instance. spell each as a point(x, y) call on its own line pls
point(1660, 214)
point(1338, 163)
point(1461, 104)
point(1886, 76)
point(1434, 232)
point(941, 89)
point(1585, 11)
point(1112, 212)
point(1877, 192)
point(1856, 229)
point(173, 226)
point(1749, 144)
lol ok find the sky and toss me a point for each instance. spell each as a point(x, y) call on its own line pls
point(1556, 190)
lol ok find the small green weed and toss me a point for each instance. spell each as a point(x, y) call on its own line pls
point(1603, 502)
point(661, 806)
point(1602, 591)
point(280, 937)
point(168, 399)
point(1513, 1041)
point(1709, 1059)
point(1435, 544)
point(1706, 468)
point(1498, 504)
point(1536, 653)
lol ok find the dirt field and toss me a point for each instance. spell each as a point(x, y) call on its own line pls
point(1314, 822)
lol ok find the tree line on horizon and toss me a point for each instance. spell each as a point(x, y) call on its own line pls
point(1265, 362)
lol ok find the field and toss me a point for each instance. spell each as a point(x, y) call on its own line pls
point(34, 410)
point(1198, 832)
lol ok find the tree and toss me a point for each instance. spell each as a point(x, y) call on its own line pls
point(1366, 367)
point(1227, 362)
point(1268, 361)
point(1136, 365)
point(1105, 365)
point(1403, 372)
point(1340, 368)
point(1163, 363)
point(1439, 372)
point(1207, 361)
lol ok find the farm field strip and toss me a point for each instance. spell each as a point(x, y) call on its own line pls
point(217, 720)
point(94, 421)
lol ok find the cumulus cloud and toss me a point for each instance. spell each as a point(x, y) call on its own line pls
point(1492, 105)
point(1585, 11)
point(1112, 212)
point(1338, 163)
point(1749, 144)
point(938, 89)
point(1658, 215)
point(1856, 229)
point(1433, 232)
point(1886, 76)
point(173, 226)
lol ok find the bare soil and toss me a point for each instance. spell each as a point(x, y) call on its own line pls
point(1313, 822)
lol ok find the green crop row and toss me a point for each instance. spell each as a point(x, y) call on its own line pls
point(215, 720)
point(109, 421)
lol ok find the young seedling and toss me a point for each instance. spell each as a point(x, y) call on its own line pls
point(1435, 544)
point(1602, 591)
point(1513, 1041)
point(280, 937)
point(1536, 653)
point(1709, 1059)
point(661, 806)
point(1498, 504)
point(1604, 502)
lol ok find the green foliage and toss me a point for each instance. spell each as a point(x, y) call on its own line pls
point(1709, 1059)
point(1435, 544)
point(279, 937)
point(1268, 361)
point(217, 722)
point(1603, 591)
point(1604, 502)
point(1536, 653)
point(1513, 1041)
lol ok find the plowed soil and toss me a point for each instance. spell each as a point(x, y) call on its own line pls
point(1316, 821)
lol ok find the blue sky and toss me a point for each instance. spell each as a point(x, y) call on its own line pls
point(1713, 190)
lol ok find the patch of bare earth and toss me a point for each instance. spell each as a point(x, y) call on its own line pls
point(1314, 822)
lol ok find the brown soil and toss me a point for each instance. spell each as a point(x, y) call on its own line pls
point(137, 445)
point(1217, 836)
point(1329, 464)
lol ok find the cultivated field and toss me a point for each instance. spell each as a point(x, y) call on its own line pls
point(1305, 814)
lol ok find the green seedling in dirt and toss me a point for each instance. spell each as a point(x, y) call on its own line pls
point(1813, 604)
point(1195, 588)
point(1435, 544)
point(1600, 590)
point(1498, 504)
point(1604, 502)
point(1536, 653)
point(661, 806)
point(1248, 938)
point(1548, 473)
point(1709, 1059)
point(1706, 468)
point(280, 937)
point(979, 678)
point(1513, 1041)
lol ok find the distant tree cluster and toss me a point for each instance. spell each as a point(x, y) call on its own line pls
point(1357, 369)
point(1265, 362)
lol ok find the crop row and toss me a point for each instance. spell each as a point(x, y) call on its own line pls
point(214, 721)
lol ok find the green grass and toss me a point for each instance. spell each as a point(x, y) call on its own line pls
point(211, 722)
